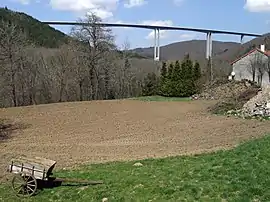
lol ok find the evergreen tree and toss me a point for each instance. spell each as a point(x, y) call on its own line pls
point(188, 84)
point(184, 70)
point(188, 67)
point(177, 71)
point(170, 71)
point(175, 85)
point(168, 86)
point(163, 79)
point(197, 71)
point(150, 86)
point(163, 71)
point(180, 80)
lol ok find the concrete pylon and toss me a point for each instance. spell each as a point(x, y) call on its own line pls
point(241, 39)
point(156, 44)
point(209, 45)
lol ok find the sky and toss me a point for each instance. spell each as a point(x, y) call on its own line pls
point(252, 16)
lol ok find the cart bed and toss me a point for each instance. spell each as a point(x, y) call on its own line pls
point(38, 167)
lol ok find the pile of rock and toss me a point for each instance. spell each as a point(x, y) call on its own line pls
point(223, 91)
point(258, 105)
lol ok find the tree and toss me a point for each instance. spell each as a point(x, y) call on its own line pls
point(189, 67)
point(163, 79)
point(62, 64)
point(96, 42)
point(197, 71)
point(163, 73)
point(170, 70)
point(252, 69)
point(257, 64)
point(12, 44)
point(125, 74)
point(188, 85)
point(177, 71)
point(150, 86)
point(267, 46)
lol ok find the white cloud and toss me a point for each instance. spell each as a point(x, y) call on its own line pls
point(257, 5)
point(102, 8)
point(24, 2)
point(163, 33)
point(135, 3)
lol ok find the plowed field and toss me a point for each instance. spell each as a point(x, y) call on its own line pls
point(99, 131)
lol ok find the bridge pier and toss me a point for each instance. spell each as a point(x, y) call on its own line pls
point(208, 45)
point(157, 44)
point(241, 39)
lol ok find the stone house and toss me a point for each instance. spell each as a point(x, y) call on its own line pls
point(253, 66)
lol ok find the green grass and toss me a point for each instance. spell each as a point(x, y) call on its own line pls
point(238, 175)
point(161, 98)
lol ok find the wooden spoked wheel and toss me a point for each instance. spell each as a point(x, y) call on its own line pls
point(24, 185)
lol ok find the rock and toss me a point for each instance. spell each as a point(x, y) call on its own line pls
point(105, 199)
point(138, 164)
point(138, 186)
point(83, 188)
point(258, 105)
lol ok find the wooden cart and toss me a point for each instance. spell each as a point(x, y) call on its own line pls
point(27, 172)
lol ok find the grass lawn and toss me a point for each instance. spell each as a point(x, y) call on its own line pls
point(161, 98)
point(241, 174)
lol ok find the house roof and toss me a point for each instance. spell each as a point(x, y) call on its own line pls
point(267, 53)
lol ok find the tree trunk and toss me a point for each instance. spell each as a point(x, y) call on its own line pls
point(92, 84)
point(30, 97)
point(61, 90)
point(253, 75)
point(81, 90)
point(13, 86)
point(97, 86)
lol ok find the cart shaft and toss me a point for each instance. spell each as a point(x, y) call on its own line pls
point(78, 181)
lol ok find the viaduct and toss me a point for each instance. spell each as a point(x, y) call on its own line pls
point(157, 29)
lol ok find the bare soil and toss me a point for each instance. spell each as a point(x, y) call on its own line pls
point(101, 131)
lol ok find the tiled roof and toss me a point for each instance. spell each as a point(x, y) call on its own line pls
point(267, 53)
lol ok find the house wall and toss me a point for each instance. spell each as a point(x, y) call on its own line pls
point(242, 68)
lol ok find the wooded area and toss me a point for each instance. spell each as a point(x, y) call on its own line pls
point(87, 67)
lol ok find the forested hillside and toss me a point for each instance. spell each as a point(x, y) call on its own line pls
point(38, 33)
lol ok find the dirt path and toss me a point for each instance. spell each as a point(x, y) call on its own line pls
point(72, 133)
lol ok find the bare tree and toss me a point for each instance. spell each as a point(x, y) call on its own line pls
point(252, 69)
point(267, 45)
point(257, 65)
point(62, 65)
point(126, 74)
point(96, 42)
point(12, 43)
point(268, 68)
point(27, 77)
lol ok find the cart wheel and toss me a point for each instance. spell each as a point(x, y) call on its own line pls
point(24, 185)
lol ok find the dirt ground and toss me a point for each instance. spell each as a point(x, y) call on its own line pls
point(75, 133)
